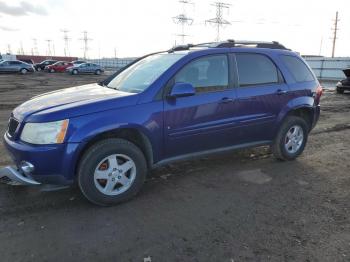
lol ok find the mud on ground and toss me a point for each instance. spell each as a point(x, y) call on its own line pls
point(242, 206)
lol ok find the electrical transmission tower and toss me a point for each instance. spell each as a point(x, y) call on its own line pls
point(48, 51)
point(35, 47)
point(335, 30)
point(66, 40)
point(219, 20)
point(183, 20)
point(85, 40)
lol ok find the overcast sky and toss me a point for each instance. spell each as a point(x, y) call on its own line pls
point(135, 27)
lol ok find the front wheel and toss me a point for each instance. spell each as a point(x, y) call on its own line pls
point(23, 71)
point(52, 70)
point(111, 171)
point(97, 72)
point(74, 72)
point(291, 138)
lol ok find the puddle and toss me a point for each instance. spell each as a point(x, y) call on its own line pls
point(255, 176)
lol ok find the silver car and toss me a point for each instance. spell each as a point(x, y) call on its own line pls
point(15, 67)
point(85, 68)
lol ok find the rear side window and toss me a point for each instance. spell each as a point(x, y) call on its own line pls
point(297, 68)
point(207, 74)
point(256, 69)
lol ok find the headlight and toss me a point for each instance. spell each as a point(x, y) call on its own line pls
point(45, 133)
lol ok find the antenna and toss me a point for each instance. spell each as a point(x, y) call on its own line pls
point(219, 21)
point(35, 47)
point(48, 51)
point(85, 40)
point(183, 20)
point(335, 30)
point(66, 40)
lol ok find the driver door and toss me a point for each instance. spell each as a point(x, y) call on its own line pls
point(202, 121)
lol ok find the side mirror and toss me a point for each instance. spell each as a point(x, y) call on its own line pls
point(182, 89)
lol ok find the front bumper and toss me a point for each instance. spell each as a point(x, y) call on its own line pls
point(343, 87)
point(54, 164)
point(13, 176)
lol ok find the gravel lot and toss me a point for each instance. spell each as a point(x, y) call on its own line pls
point(242, 206)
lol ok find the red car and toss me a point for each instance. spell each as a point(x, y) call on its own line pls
point(59, 66)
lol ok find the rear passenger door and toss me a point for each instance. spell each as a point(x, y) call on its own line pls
point(203, 121)
point(261, 94)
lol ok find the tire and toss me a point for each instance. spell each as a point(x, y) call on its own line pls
point(74, 72)
point(98, 190)
point(38, 69)
point(97, 72)
point(340, 91)
point(52, 71)
point(295, 145)
point(23, 71)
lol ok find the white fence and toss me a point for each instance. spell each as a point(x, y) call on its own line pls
point(327, 68)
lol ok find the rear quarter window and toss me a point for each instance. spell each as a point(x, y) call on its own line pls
point(298, 69)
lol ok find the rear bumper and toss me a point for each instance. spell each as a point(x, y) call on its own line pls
point(316, 116)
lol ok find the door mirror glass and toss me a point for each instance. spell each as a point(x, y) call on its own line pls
point(182, 89)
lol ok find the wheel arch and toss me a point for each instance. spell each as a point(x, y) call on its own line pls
point(132, 134)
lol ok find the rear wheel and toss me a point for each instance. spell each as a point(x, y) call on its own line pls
point(97, 72)
point(38, 69)
point(291, 138)
point(23, 71)
point(52, 70)
point(111, 171)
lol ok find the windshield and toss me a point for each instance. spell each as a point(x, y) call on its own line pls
point(143, 73)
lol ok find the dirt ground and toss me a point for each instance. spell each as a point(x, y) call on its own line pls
point(242, 206)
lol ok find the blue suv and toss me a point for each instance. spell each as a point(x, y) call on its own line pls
point(190, 101)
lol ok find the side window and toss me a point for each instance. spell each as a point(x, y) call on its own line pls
point(256, 69)
point(207, 74)
point(297, 68)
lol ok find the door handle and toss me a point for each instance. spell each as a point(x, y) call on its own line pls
point(226, 100)
point(281, 92)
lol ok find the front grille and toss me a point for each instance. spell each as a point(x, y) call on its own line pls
point(12, 127)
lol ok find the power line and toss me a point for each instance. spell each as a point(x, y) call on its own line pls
point(219, 20)
point(335, 30)
point(182, 19)
point(85, 40)
point(66, 40)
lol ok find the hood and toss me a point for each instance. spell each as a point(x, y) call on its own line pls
point(347, 72)
point(71, 102)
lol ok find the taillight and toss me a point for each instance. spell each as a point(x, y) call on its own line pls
point(318, 93)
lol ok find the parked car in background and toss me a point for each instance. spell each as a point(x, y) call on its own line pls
point(15, 67)
point(28, 61)
point(188, 102)
point(43, 64)
point(345, 83)
point(78, 62)
point(60, 66)
point(85, 68)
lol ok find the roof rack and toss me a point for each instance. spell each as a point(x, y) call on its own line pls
point(231, 43)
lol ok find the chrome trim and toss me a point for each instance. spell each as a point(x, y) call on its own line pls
point(16, 177)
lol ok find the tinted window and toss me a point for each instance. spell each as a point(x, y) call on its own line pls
point(255, 69)
point(298, 69)
point(206, 74)
point(15, 63)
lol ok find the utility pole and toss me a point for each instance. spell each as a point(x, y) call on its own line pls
point(21, 50)
point(9, 49)
point(85, 40)
point(335, 30)
point(219, 20)
point(66, 40)
point(183, 20)
point(48, 51)
point(35, 47)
